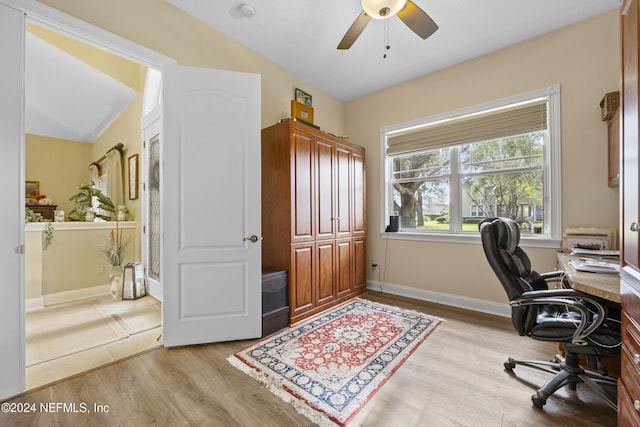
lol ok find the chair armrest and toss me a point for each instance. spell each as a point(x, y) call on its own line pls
point(568, 298)
point(554, 276)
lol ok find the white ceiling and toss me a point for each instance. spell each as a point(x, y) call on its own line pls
point(66, 98)
point(302, 35)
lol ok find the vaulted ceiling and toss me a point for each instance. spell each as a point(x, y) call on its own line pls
point(67, 98)
point(302, 35)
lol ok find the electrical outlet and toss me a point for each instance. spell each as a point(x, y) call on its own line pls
point(374, 267)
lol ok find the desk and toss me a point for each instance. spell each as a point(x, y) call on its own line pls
point(602, 285)
point(605, 286)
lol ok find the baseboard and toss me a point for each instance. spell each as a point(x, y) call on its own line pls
point(76, 294)
point(474, 304)
point(33, 304)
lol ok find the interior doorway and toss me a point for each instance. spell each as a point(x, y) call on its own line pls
point(121, 328)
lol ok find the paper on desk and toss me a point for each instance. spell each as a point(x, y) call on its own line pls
point(595, 266)
point(602, 253)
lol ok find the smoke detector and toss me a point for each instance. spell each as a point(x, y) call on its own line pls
point(247, 10)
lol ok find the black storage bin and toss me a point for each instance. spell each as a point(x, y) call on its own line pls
point(275, 293)
point(275, 320)
point(275, 301)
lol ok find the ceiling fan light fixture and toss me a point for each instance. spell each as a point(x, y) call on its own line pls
point(381, 9)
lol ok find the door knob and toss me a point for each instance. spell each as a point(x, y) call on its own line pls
point(634, 226)
point(253, 238)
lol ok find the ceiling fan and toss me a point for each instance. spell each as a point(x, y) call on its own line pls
point(413, 17)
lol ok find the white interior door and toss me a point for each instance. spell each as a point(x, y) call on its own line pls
point(12, 369)
point(210, 204)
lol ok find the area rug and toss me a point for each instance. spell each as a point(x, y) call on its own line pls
point(139, 319)
point(60, 331)
point(329, 366)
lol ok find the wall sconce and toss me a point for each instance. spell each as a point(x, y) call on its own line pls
point(133, 282)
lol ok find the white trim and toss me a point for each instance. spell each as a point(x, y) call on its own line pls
point(470, 239)
point(88, 33)
point(514, 99)
point(553, 159)
point(76, 294)
point(33, 304)
point(483, 306)
point(555, 162)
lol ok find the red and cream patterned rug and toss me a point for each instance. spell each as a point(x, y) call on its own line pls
point(329, 366)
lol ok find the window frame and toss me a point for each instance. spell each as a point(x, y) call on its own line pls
point(551, 169)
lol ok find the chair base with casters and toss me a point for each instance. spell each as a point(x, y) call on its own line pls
point(585, 325)
point(568, 372)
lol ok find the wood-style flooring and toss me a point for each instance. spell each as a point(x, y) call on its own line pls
point(455, 378)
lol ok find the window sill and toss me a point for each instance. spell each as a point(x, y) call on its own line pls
point(525, 241)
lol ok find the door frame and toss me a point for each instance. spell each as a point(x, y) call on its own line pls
point(87, 33)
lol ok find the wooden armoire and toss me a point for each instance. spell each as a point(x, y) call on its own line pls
point(629, 385)
point(313, 215)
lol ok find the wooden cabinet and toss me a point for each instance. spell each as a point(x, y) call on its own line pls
point(313, 215)
point(613, 130)
point(629, 386)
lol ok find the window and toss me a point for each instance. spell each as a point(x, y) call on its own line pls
point(102, 186)
point(444, 174)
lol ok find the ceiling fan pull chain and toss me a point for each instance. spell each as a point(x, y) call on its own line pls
point(386, 38)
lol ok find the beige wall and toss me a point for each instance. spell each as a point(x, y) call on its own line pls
point(59, 165)
point(75, 259)
point(585, 60)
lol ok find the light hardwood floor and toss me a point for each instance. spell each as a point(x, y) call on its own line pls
point(455, 378)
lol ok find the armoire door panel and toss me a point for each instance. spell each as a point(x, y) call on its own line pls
point(344, 263)
point(301, 292)
point(359, 195)
point(324, 189)
point(326, 271)
point(343, 195)
point(302, 183)
point(359, 264)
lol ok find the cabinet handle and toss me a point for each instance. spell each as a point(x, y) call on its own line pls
point(636, 359)
point(633, 227)
point(636, 404)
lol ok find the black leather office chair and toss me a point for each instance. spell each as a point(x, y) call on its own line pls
point(584, 324)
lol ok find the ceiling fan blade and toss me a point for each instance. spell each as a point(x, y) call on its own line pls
point(354, 31)
point(418, 20)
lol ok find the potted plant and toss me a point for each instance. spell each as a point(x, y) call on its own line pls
point(115, 250)
point(47, 233)
point(84, 201)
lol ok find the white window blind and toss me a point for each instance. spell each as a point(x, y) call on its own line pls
point(498, 123)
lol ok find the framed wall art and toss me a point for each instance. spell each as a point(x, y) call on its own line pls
point(31, 191)
point(133, 177)
point(302, 97)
